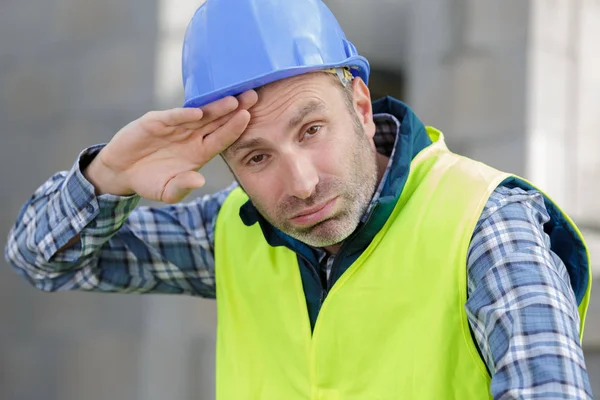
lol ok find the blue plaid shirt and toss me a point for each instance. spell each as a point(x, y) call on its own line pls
point(521, 307)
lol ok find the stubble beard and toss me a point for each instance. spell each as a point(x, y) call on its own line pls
point(355, 194)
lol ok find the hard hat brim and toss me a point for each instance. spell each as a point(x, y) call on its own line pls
point(359, 66)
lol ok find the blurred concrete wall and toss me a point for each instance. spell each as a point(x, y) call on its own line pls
point(72, 73)
point(512, 83)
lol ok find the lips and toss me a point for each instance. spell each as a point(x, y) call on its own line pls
point(312, 215)
point(311, 210)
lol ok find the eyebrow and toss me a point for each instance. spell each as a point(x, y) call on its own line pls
point(311, 107)
point(244, 144)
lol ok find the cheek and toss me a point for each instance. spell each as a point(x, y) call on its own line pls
point(333, 160)
point(262, 189)
point(330, 164)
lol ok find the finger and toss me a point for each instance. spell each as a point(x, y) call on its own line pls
point(203, 128)
point(247, 99)
point(219, 108)
point(181, 185)
point(206, 127)
point(176, 116)
point(216, 124)
point(224, 137)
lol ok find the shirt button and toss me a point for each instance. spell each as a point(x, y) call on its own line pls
point(90, 208)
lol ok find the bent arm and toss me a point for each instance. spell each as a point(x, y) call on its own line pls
point(67, 238)
point(521, 306)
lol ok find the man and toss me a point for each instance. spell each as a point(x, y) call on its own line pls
point(369, 263)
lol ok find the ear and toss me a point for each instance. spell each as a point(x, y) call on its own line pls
point(362, 105)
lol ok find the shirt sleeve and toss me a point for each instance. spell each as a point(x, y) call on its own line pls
point(521, 307)
point(121, 248)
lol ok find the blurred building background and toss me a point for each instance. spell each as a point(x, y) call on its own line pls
point(512, 83)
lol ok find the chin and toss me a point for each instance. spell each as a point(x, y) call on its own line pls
point(327, 233)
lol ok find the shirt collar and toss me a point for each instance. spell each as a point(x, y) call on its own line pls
point(387, 127)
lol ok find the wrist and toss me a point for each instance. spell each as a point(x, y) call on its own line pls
point(104, 179)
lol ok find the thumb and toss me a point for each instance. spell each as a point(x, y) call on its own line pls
point(180, 186)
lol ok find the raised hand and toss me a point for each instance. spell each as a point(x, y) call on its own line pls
point(158, 155)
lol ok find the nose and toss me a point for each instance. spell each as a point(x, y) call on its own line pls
point(300, 176)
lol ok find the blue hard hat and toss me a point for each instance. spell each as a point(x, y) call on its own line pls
point(231, 46)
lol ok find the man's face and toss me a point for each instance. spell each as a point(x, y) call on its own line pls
point(307, 159)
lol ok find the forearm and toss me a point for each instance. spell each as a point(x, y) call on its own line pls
point(47, 236)
point(528, 329)
point(121, 248)
point(521, 306)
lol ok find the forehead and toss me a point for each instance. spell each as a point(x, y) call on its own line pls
point(284, 105)
point(316, 78)
point(295, 92)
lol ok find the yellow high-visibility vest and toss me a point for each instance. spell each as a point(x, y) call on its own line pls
point(393, 326)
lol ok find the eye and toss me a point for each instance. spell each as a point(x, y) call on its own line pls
point(257, 159)
point(312, 131)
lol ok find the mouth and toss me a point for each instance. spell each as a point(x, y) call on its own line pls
point(313, 215)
